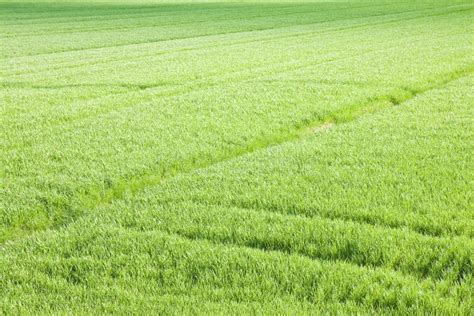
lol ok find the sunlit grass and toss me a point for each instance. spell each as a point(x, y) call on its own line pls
point(277, 157)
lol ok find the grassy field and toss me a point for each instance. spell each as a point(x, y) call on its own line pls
point(242, 157)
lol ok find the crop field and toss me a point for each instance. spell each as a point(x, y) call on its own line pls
point(236, 157)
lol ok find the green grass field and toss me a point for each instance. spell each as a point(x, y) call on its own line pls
point(237, 157)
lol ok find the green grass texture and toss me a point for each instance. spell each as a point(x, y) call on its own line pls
point(236, 157)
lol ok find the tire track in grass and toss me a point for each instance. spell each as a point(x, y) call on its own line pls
point(175, 9)
point(119, 190)
point(130, 187)
point(266, 247)
point(201, 259)
point(231, 9)
point(206, 83)
point(219, 80)
point(356, 110)
point(416, 225)
point(315, 237)
point(298, 33)
point(221, 33)
point(143, 87)
point(116, 17)
point(201, 20)
point(232, 14)
point(266, 38)
point(232, 43)
point(145, 14)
